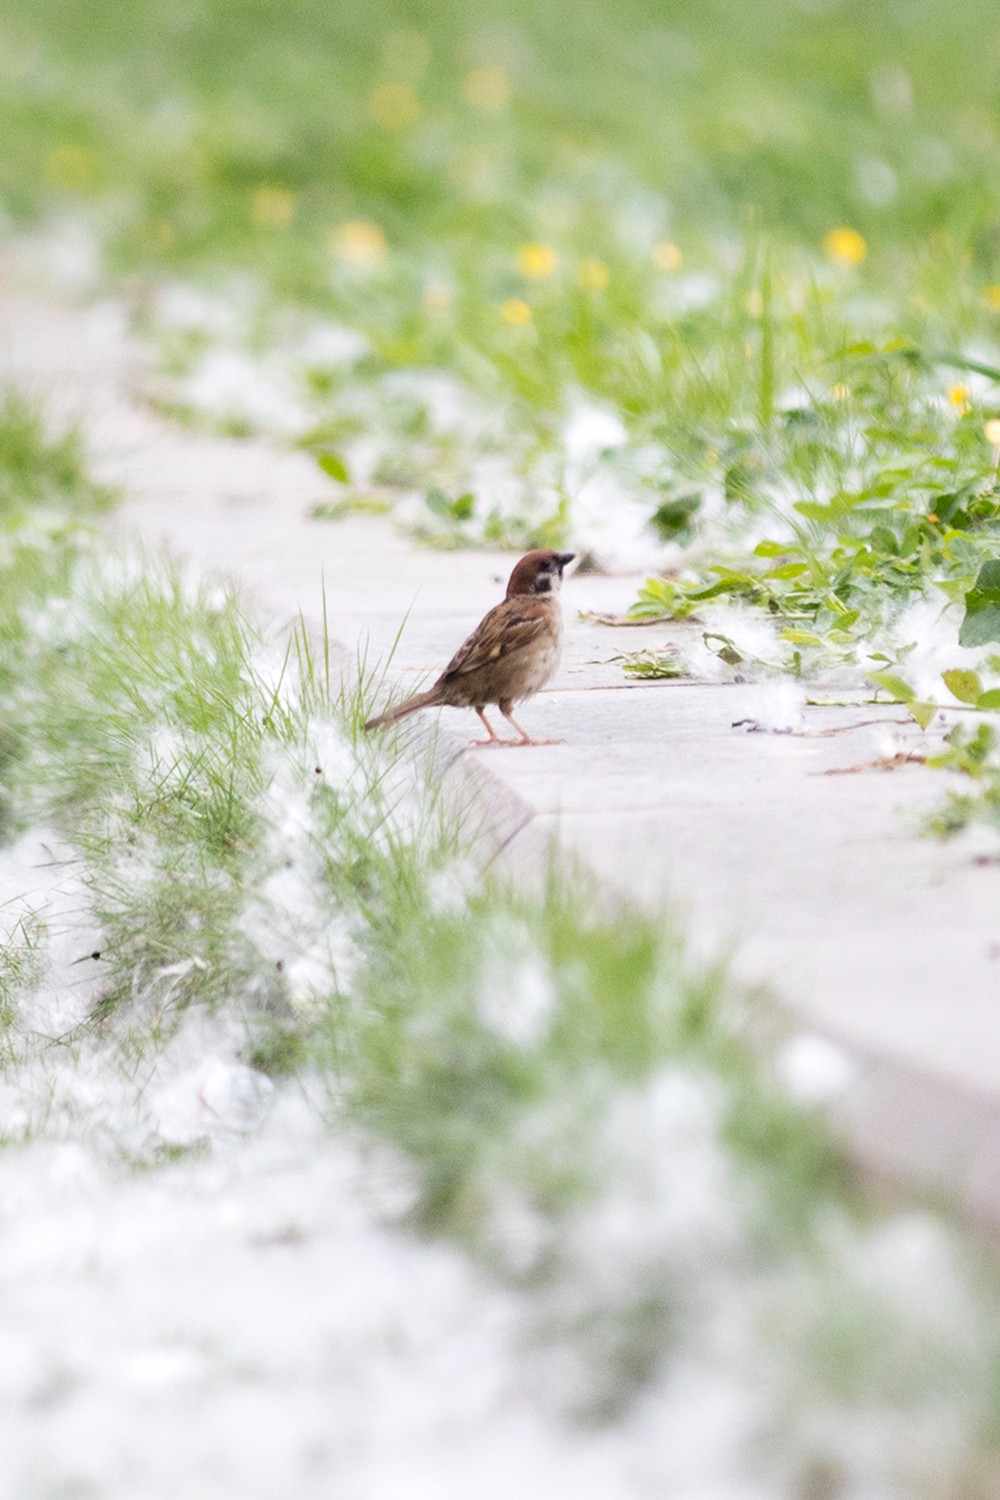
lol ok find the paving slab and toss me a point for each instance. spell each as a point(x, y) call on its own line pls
point(878, 939)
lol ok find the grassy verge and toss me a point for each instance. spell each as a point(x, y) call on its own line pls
point(714, 287)
point(598, 1118)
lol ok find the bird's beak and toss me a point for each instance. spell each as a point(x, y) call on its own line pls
point(564, 559)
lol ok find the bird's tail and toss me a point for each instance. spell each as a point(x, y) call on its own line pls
point(401, 710)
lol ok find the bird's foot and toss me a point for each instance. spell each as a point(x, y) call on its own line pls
point(494, 743)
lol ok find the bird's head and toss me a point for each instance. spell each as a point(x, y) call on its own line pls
point(539, 572)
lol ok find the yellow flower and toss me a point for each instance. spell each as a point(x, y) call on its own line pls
point(536, 262)
point(667, 256)
point(70, 166)
point(360, 243)
point(516, 313)
point(273, 207)
point(959, 395)
point(487, 89)
point(394, 105)
point(406, 55)
point(991, 297)
point(846, 246)
point(840, 392)
point(594, 275)
point(437, 297)
point(991, 429)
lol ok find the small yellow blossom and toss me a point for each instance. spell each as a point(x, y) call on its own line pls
point(487, 89)
point(536, 262)
point(991, 297)
point(959, 396)
point(667, 256)
point(594, 275)
point(840, 392)
point(394, 105)
point(437, 297)
point(360, 243)
point(406, 55)
point(515, 312)
point(846, 246)
point(273, 207)
point(991, 430)
point(70, 166)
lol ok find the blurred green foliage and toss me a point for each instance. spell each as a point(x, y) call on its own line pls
point(443, 120)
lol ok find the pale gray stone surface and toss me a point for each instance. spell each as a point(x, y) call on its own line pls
point(885, 942)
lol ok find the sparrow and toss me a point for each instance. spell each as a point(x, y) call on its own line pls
point(511, 654)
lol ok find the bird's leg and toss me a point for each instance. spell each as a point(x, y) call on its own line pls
point(493, 737)
point(525, 736)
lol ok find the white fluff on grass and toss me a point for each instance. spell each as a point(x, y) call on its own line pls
point(516, 993)
point(187, 307)
point(814, 1070)
point(589, 431)
point(289, 917)
point(232, 386)
point(931, 627)
point(776, 706)
point(753, 636)
point(611, 523)
point(217, 1093)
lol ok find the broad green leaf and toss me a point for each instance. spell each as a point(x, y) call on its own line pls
point(990, 699)
point(800, 637)
point(965, 685)
point(462, 508)
point(894, 685)
point(982, 607)
point(333, 465)
point(922, 712)
point(814, 511)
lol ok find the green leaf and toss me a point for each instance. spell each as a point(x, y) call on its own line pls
point(965, 685)
point(437, 502)
point(990, 699)
point(922, 712)
point(800, 637)
point(333, 465)
point(462, 508)
point(982, 607)
point(673, 518)
point(894, 685)
point(814, 511)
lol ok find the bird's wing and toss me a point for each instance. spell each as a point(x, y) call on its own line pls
point(511, 626)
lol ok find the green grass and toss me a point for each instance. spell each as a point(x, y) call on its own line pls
point(800, 390)
point(594, 1114)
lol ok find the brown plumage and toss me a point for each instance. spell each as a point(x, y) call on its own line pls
point(511, 654)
